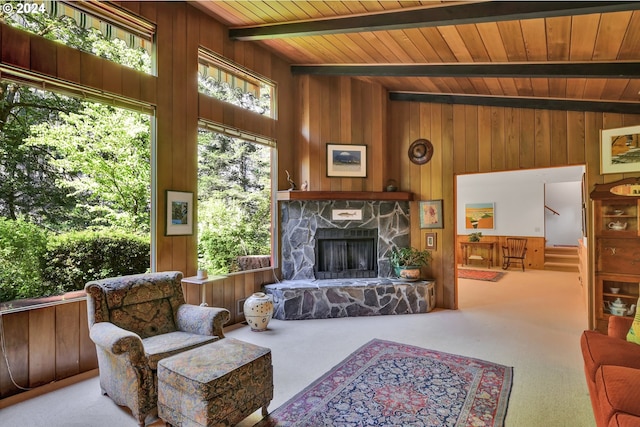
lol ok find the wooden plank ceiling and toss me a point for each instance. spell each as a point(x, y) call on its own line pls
point(556, 55)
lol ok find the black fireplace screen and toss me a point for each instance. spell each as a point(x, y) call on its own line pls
point(350, 253)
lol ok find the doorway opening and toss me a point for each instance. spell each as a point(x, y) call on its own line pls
point(547, 206)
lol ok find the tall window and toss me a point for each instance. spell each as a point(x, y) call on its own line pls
point(230, 82)
point(234, 200)
point(74, 174)
point(74, 193)
point(234, 172)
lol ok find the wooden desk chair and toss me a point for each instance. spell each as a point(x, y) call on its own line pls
point(514, 251)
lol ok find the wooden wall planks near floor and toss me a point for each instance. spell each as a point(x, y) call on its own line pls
point(535, 250)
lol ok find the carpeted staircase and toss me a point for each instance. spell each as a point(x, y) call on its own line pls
point(561, 258)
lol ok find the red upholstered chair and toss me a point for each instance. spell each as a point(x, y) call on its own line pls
point(612, 370)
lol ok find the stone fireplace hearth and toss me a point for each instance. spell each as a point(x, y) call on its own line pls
point(332, 298)
point(302, 219)
point(340, 268)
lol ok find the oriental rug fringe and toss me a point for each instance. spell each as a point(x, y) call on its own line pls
point(391, 384)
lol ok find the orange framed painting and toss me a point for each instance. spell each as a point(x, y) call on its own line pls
point(479, 216)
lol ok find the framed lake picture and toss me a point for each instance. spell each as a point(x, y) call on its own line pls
point(347, 160)
point(179, 213)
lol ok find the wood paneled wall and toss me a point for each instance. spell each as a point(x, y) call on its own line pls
point(471, 139)
point(182, 29)
point(44, 345)
point(535, 251)
point(466, 139)
point(342, 111)
point(52, 343)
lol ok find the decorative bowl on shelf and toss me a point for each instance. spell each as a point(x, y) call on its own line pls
point(615, 290)
point(618, 211)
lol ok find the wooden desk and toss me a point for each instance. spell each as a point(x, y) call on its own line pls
point(471, 250)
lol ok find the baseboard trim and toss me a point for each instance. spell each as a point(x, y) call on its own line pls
point(47, 388)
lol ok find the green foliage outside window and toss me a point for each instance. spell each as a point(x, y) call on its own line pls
point(234, 183)
point(105, 154)
point(229, 231)
point(22, 246)
point(36, 263)
point(234, 201)
point(73, 259)
point(224, 92)
point(74, 178)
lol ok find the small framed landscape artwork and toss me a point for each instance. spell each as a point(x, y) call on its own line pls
point(479, 215)
point(179, 213)
point(347, 160)
point(620, 150)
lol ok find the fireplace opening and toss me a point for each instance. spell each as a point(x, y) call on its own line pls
point(348, 253)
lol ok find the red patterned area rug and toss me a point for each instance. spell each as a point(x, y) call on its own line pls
point(390, 384)
point(490, 276)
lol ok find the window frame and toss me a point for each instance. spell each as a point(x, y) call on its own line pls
point(112, 21)
point(212, 60)
point(232, 132)
point(42, 82)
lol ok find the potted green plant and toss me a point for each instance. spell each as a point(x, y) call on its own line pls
point(475, 237)
point(406, 262)
point(202, 269)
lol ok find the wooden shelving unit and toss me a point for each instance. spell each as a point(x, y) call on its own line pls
point(617, 245)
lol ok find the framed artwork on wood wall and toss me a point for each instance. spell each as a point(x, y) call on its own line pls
point(620, 150)
point(347, 160)
point(431, 214)
point(431, 241)
point(179, 213)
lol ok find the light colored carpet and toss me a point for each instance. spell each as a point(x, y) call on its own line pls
point(531, 321)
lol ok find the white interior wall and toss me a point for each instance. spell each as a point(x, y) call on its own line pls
point(518, 197)
point(565, 198)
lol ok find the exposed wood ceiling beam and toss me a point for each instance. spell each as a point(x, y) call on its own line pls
point(456, 14)
point(511, 69)
point(520, 102)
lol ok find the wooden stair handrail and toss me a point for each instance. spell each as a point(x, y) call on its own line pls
point(554, 212)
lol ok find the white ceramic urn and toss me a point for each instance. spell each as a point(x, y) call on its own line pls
point(258, 309)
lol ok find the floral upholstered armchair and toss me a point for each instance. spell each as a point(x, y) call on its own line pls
point(137, 320)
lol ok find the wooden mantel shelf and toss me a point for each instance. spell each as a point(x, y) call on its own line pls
point(394, 196)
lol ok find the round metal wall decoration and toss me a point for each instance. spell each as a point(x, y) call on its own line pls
point(420, 151)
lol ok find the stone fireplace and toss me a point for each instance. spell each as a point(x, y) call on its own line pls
point(335, 261)
point(316, 245)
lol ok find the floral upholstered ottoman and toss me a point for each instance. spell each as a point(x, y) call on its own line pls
point(218, 384)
